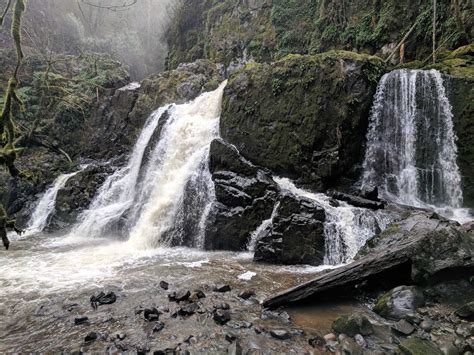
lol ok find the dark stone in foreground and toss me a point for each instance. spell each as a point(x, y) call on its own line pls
point(418, 249)
point(92, 336)
point(188, 310)
point(151, 314)
point(81, 320)
point(247, 294)
point(159, 326)
point(400, 303)
point(466, 312)
point(102, 299)
point(222, 288)
point(164, 285)
point(221, 316)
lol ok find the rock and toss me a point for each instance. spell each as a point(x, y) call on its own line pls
point(352, 325)
point(230, 337)
point(247, 294)
point(102, 299)
point(121, 336)
point(158, 327)
point(245, 196)
point(296, 235)
point(188, 310)
point(221, 316)
point(416, 346)
point(349, 346)
point(151, 314)
point(179, 296)
point(222, 288)
point(399, 303)
point(330, 337)
point(427, 324)
point(222, 306)
point(359, 339)
point(190, 340)
point(91, 337)
point(81, 320)
point(464, 330)
point(164, 285)
point(235, 349)
point(357, 201)
point(449, 349)
point(197, 295)
point(280, 334)
point(466, 312)
point(263, 111)
point(403, 327)
point(316, 342)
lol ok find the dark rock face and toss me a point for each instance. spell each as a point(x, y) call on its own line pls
point(296, 235)
point(303, 116)
point(245, 196)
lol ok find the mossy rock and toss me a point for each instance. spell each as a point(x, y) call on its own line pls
point(417, 346)
point(352, 325)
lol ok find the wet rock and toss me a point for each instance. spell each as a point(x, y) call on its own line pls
point(399, 303)
point(359, 339)
point(222, 288)
point(247, 294)
point(403, 327)
point(466, 312)
point(349, 346)
point(357, 201)
point(280, 334)
point(164, 285)
point(197, 295)
point(221, 316)
point(103, 298)
point(121, 336)
point(316, 342)
point(331, 345)
point(188, 310)
point(427, 324)
point(179, 296)
point(417, 346)
point(222, 306)
point(330, 337)
point(158, 327)
point(81, 320)
point(91, 337)
point(354, 324)
point(235, 349)
point(151, 314)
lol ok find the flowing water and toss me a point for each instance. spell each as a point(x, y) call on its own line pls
point(411, 150)
point(45, 207)
point(346, 228)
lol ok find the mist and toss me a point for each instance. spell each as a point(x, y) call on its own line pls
point(130, 31)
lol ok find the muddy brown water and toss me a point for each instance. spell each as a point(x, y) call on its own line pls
point(46, 282)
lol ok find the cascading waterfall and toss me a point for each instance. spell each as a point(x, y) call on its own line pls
point(347, 228)
point(258, 233)
point(411, 152)
point(45, 207)
point(165, 191)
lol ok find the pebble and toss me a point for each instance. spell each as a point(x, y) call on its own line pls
point(151, 314)
point(222, 288)
point(329, 337)
point(81, 320)
point(92, 336)
point(247, 294)
point(164, 285)
point(403, 327)
point(158, 327)
point(121, 336)
point(221, 316)
point(188, 310)
point(359, 339)
point(222, 306)
point(427, 324)
point(316, 342)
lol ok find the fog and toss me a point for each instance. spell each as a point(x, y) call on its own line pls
point(132, 31)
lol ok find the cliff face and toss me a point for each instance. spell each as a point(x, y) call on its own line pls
point(266, 30)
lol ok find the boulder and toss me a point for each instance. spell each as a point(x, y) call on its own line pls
point(296, 235)
point(304, 116)
point(245, 196)
point(417, 346)
point(400, 303)
point(352, 325)
point(466, 312)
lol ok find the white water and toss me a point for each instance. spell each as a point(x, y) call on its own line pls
point(347, 228)
point(165, 191)
point(411, 153)
point(258, 233)
point(45, 207)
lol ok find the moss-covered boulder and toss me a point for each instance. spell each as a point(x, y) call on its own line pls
point(303, 116)
point(352, 325)
point(400, 303)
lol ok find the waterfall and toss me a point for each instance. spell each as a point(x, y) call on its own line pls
point(45, 207)
point(411, 150)
point(258, 233)
point(163, 195)
point(346, 228)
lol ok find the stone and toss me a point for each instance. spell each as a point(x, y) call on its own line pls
point(102, 299)
point(463, 330)
point(316, 342)
point(91, 337)
point(197, 295)
point(466, 312)
point(330, 337)
point(230, 337)
point(222, 288)
point(247, 294)
point(151, 314)
point(164, 285)
point(353, 324)
point(427, 324)
point(349, 346)
point(280, 334)
point(359, 339)
point(179, 296)
point(399, 303)
point(222, 306)
point(234, 349)
point(158, 327)
point(221, 316)
point(81, 320)
point(121, 336)
point(188, 310)
point(403, 327)
point(417, 346)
